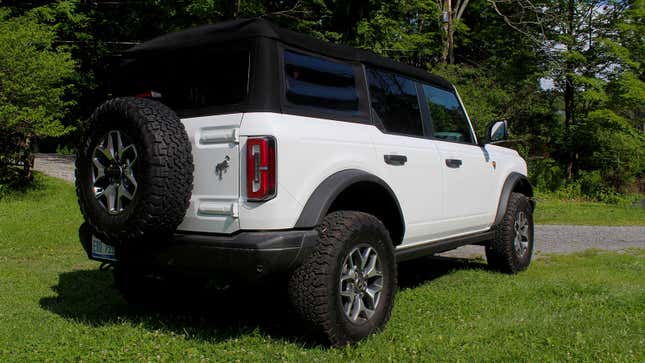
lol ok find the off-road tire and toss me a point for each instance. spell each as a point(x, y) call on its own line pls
point(501, 253)
point(165, 171)
point(314, 286)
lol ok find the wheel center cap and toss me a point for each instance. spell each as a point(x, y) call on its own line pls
point(361, 284)
point(113, 171)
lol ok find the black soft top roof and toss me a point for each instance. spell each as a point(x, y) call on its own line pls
point(260, 28)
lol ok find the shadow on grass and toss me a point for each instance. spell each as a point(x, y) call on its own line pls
point(421, 271)
point(198, 312)
point(190, 309)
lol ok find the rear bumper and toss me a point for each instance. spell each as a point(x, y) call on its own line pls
point(247, 255)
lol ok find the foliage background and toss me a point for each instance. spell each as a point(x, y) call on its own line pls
point(571, 83)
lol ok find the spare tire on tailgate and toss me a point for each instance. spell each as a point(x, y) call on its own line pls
point(134, 171)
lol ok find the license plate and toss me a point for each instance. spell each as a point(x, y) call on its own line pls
point(102, 251)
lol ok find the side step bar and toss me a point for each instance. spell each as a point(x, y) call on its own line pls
point(431, 248)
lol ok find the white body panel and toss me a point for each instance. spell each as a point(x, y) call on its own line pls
point(308, 151)
point(214, 201)
point(418, 184)
point(437, 202)
point(469, 201)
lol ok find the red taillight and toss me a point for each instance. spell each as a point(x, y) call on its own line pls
point(260, 168)
point(148, 94)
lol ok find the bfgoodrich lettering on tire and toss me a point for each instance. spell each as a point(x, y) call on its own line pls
point(345, 288)
point(134, 171)
point(512, 248)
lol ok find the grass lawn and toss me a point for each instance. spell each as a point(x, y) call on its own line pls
point(55, 305)
point(554, 211)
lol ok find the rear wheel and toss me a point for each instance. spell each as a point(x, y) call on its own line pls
point(512, 248)
point(345, 288)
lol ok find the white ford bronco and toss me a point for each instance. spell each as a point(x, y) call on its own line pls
point(246, 150)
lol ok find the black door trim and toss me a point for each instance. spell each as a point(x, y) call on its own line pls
point(430, 248)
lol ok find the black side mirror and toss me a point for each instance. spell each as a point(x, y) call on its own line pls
point(497, 131)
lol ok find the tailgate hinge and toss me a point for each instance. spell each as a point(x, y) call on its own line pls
point(216, 136)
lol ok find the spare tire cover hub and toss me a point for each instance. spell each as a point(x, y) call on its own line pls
point(113, 173)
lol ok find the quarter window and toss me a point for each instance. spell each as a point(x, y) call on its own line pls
point(320, 83)
point(449, 121)
point(394, 102)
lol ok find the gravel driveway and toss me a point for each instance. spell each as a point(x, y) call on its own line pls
point(549, 238)
point(58, 166)
point(569, 239)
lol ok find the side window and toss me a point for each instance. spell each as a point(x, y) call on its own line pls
point(320, 83)
point(394, 102)
point(449, 121)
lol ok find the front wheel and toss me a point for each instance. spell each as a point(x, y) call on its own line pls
point(512, 248)
point(345, 288)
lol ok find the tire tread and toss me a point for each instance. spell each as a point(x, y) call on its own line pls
point(308, 286)
point(169, 171)
point(500, 252)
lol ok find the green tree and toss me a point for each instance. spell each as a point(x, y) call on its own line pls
point(452, 12)
point(627, 88)
point(587, 48)
point(499, 78)
point(485, 100)
point(34, 78)
point(406, 30)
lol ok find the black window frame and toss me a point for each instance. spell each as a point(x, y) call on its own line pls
point(425, 124)
point(430, 134)
point(362, 115)
point(252, 49)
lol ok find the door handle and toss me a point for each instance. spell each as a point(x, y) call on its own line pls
point(395, 159)
point(453, 163)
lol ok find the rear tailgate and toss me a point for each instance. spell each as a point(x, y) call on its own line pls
point(216, 153)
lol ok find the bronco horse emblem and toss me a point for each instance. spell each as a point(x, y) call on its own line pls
point(221, 168)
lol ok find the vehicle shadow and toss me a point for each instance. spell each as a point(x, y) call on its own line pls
point(424, 270)
point(193, 310)
point(209, 313)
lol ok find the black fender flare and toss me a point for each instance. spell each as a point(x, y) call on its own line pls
point(324, 195)
point(513, 182)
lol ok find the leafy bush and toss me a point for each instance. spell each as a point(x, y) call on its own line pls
point(548, 177)
point(546, 174)
point(612, 148)
point(65, 150)
point(4, 189)
point(33, 84)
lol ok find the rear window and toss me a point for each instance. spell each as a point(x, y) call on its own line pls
point(320, 83)
point(187, 81)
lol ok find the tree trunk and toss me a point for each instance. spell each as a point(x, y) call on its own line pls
point(27, 159)
point(444, 51)
point(447, 56)
point(569, 119)
point(569, 90)
point(235, 9)
point(451, 43)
